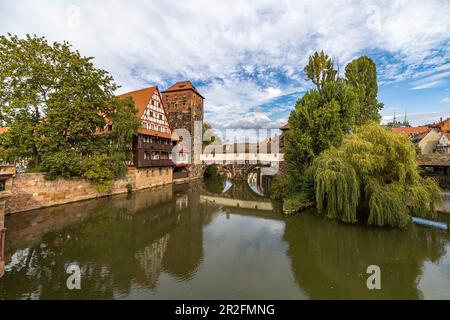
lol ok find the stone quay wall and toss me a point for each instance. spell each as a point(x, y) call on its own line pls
point(31, 191)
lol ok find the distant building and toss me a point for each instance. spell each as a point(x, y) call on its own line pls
point(398, 124)
point(428, 142)
point(283, 141)
point(411, 131)
point(444, 143)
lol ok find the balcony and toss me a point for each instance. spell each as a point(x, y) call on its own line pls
point(156, 146)
point(156, 163)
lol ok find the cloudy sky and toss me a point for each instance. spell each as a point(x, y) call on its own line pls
point(247, 57)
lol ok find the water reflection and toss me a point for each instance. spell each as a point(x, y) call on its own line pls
point(332, 263)
point(178, 243)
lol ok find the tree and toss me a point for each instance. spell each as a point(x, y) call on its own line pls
point(320, 120)
point(210, 136)
point(373, 171)
point(55, 102)
point(361, 74)
point(320, 69)
point(124, 126)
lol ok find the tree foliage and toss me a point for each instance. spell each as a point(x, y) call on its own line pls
point(320, 69)
point(361, 74)
point(210, 136)
point(340, 158)
point(54, 101)
point(374, 170)
point(320, 120)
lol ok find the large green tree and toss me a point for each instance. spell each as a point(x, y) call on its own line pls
point(361, 74)
point(54, 100)
point(320, 120)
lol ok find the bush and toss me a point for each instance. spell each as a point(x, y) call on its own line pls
point(297, 202)
point(129, 188)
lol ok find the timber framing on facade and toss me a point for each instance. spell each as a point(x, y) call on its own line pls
point(152, 147)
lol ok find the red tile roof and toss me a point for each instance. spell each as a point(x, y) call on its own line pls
point(285, 127)
point(182, 86)
point(411, 130)
point(155, 133)
point(141, 98)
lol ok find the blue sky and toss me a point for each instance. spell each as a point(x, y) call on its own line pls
point(247, 57)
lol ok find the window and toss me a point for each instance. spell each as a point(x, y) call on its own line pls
point(146, 139)
point(146, 155)
point(151, 114)
point(2, 185)
point(159, 128)
point(155, 155)
point(153, 102)
point(164, 156)
point(160, 117)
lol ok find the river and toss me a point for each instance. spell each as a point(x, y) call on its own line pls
point(195, 241)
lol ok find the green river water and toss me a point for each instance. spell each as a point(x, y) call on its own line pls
point(195, 241)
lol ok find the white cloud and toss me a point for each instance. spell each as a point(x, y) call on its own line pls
point(425, 85)
point(430, 81)
point(231, 48)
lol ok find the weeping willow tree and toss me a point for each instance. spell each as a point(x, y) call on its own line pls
point(373, 171)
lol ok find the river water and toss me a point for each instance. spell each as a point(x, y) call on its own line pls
point(195, 241)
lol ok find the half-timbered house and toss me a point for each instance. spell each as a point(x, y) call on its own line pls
point(152, 147)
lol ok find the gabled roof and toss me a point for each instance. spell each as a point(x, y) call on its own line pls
point(182, 86)
point(411, 130)
point(141, 98)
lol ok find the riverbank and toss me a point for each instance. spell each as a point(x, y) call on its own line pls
point(32, 191)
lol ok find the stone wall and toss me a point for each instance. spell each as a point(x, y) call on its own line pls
point(31, 190)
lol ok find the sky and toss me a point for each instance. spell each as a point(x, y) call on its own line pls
point(247, 57)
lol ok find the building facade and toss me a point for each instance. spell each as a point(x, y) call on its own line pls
point(152, 147)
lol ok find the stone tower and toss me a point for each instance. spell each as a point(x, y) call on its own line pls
point(185, 106)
